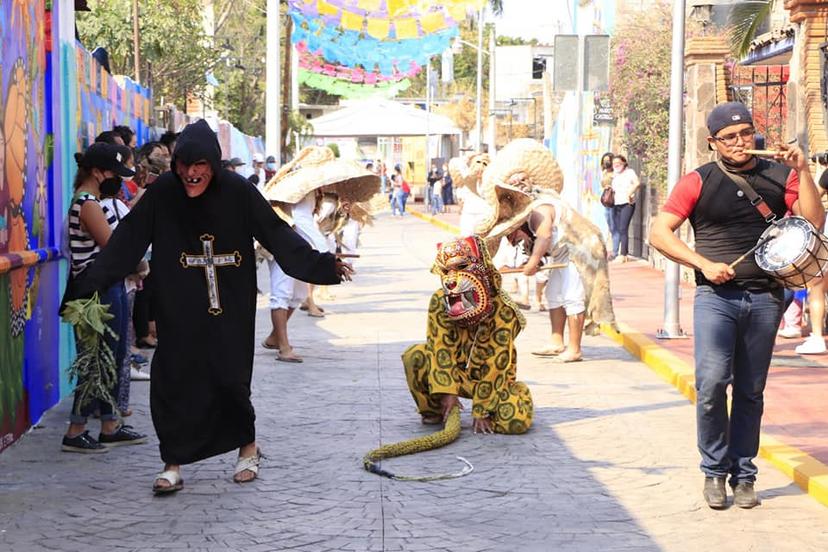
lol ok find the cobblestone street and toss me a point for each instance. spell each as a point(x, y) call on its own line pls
point(609, 465)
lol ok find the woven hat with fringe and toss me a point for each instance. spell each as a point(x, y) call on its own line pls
point(510, 183)
point(465, 171)
point(316, 167)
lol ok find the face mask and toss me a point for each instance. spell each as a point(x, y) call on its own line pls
point(617, 170)
point(110, 186)
point(271, 166)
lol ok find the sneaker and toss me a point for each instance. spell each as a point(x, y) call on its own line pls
point(136, 374)
point(714, 492)
point(814, 345)
point(122, 436)
point(138, 358)
point(790, 332)
point(744, 495)
point(83, 443)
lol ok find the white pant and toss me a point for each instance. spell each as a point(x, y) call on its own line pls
point(285, 292)
point(565, 289)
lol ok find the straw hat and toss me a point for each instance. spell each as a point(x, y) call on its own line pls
point(316, 167)
point(466, 171)
point(510, 183)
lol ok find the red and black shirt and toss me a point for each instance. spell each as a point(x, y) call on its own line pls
point(724, 222)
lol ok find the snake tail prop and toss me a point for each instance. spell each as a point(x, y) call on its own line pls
point(438, 439)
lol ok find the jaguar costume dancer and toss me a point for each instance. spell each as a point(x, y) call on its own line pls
point(470, 345)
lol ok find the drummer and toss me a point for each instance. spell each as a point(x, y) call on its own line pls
point(738, 308)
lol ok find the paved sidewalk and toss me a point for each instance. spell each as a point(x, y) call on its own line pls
point(609, 465)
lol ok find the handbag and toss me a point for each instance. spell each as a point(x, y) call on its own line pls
point(608, 197)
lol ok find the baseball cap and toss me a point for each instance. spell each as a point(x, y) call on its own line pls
point(236, 162)
point(101, 155)
point(258, 158)
point(726, 114)
point(270, 159)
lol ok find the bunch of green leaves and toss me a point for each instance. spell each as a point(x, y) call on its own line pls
point(640, 87)
point(94, 367)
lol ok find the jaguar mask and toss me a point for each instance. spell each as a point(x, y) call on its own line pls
point(469, 280)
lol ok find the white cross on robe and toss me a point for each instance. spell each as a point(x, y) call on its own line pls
point(209, 261)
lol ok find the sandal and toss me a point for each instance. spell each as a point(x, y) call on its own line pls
point(548, 352)
point(249, 463)
point(267, 345)
point(170, 476)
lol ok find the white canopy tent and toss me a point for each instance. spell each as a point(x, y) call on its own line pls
point(381, 118)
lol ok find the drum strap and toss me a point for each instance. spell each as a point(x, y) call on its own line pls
point(754, 198)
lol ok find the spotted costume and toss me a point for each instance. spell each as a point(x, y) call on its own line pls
point(470, 342)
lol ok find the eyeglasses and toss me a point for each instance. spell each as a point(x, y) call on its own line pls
point(732, 138)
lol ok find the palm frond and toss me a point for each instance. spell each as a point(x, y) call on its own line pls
point(496, 6)
point(744, 22)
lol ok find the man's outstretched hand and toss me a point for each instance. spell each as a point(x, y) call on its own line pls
point(345, 271)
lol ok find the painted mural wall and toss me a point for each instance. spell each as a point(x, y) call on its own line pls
point(29, 381)
point(39, 91)
point(576, 142)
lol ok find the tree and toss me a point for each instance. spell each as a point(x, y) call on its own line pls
point(175, 52)
point(745, 20)
point(640, 87)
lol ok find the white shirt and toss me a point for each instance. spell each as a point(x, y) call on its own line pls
point(475, 210)
point(623, 184)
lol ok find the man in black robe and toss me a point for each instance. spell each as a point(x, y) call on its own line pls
point(201, 222)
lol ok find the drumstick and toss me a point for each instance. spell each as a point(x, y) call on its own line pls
point(759, 244)
point(347, 256)
point(763, 153)
point(518, 269)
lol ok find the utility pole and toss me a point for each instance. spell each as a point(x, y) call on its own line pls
point(272, 102)
point(672, 328)
point(479, 103)
point(428, 116)
point(136, 42)
point(492, 106)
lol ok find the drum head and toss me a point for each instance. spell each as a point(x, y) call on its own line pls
point(793, 237)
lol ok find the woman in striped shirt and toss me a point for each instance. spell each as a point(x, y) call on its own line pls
point(100, 172)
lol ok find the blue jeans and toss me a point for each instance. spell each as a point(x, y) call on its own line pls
point(610, 225)
point(116, 298)
point(734, 332)
point(436, 204)
point(621, 217)
point(398, 202)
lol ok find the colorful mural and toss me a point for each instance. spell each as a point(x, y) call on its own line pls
point(27, 238)
point(576, 142)
point(35, 347)
point(104, 101)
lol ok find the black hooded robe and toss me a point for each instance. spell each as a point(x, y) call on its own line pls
point(204, 270)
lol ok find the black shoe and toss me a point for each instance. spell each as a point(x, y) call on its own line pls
point(83, 443)
point(714, 492)
point(122, 436)
point(744, 496)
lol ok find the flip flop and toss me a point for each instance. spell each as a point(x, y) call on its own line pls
point(266, 345)
point(316, 314)
point(281, 358)
point(548, 352)
point(562, 359)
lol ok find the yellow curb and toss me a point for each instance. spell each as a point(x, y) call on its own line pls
point(435, 221)
point(807, 472)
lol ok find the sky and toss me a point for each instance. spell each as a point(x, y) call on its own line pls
point(532, 18)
